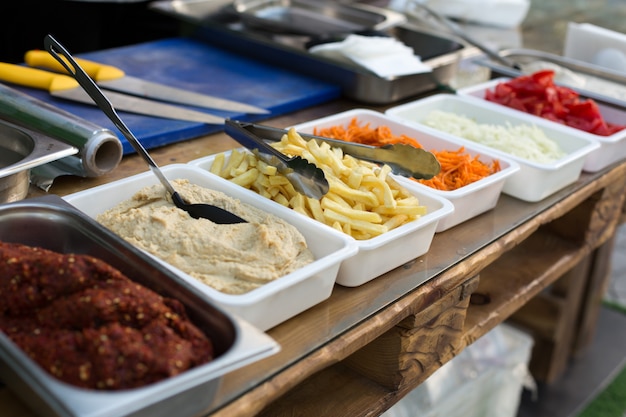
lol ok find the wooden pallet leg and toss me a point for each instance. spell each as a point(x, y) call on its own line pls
point(552, 318)
point(411, 351)
point(596, 286)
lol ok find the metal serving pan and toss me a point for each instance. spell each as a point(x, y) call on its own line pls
point(20, 150)
point(212, 22)
point(601, 84)
point(52, 223)
point(314, 17)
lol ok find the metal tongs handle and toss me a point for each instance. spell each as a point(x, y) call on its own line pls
point(306, 177)
point(239, 132)
point(63, 56)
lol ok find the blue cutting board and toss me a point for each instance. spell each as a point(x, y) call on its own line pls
point(200, 67)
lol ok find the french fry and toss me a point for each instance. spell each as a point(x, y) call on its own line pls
point(316, 209)
point(281, 199)
point(277, 180)
point(367, 216)
point(340, 200)
point(234, 160)
point(366, 197)
point(242, 168)
point(354, 178)
point(265, 168)
point(218, 164)
point(295, 138)
point(414, 211)
point(374, 229)
point(396, 221)
point(246, 178)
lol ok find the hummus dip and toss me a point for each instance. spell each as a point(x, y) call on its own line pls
point(232, 258)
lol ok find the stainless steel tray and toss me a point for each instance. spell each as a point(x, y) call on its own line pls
point(52, 223)
point(22, 149)
point(613, 83)
point(314, 17)
point(214, 22)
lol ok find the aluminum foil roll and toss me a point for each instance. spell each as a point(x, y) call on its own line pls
point(100, 150)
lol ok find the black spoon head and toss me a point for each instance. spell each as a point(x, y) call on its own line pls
point(207, 211)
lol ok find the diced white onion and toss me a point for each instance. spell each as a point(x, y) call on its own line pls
point(525, 140)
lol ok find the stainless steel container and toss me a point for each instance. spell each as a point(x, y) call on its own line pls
point(99, 150)
point(52, 223)
point(211, 22)
point(20, 150)
point(314, 17)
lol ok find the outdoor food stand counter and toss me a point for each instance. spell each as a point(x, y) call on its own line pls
point(542, 264)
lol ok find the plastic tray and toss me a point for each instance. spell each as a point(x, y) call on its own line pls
point(272, 303)
point(468, 201)
point(612, 148)
point(534, 181)
point(51, 223)
point(384, 252)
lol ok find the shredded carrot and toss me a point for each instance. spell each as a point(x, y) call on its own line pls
point(365, 134)
point(458, 168)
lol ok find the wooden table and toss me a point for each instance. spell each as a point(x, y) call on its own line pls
point(541, 265)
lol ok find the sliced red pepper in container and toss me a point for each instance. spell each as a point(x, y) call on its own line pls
point(537, 94)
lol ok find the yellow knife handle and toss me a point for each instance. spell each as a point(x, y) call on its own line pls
point(36, 78)
point(99, 72)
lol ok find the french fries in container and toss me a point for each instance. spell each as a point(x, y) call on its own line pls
point(389, 223)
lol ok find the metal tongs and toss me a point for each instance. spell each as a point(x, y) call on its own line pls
point(305, 177)
point(405, 160)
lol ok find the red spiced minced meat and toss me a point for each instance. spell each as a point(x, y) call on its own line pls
point(89, 325)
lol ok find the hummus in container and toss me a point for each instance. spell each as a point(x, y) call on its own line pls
point(231, 258)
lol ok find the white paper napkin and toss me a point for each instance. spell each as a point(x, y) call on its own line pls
point(384, 56)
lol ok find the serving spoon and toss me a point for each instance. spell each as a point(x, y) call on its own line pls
point(206, 211)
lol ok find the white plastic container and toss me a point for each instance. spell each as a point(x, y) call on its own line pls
point(534, 181)
point(384, 252)
point(596, 45)
point(612, 148)
point(272, 303)
point(468, 201)
point(398, 246)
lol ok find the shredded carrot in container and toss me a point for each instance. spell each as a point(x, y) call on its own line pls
point(458, 168)
point(375, 136)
